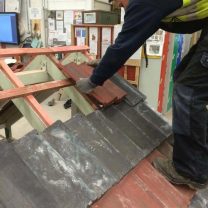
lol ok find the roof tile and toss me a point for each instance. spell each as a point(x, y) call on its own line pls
point(19, 186)
point(102, 95)
point(108, 156)
point(131, 192)
point(116, 137)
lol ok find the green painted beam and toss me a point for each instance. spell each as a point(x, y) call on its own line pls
point(77, 58)
point(33, 77)
point(22, 105)
point(10, 114)
point(73, 94)
point(37, 63)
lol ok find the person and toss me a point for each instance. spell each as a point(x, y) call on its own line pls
point(189, 162)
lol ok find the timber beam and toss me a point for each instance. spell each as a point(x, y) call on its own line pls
point(28, 105)
point(8, 52)
point(29, 90)
point(42, 72)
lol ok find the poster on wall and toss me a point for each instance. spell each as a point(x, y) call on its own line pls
point(90, 18)
point(51, 24)
point(60, 26)
point(35, 13)
point(116, 31)
point(93, 40)
point(81, 41)
point(59, 15)
point(155, 43)
point(80, 32)
point(106, 39)
point(77, 17)
point(154, 49)
point(1, 5)
point(51, 36)
point(12, 6)
point(68, 19)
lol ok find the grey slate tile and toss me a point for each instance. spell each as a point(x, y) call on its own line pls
point(116, 137)
point(134, 96)
point(92, 176)
point(99, 146)
point(134, 132)
point(19, 187)
point(200, 200)
point(52, 171)
point(139, 120)
point(154, 118)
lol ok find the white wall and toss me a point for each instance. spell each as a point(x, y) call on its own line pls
point(101, 5)
point(69, 4)
point(149, 80)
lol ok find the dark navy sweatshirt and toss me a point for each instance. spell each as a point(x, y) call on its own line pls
point(142, 19)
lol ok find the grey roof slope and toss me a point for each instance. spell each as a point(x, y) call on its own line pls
point(200, 200)
point(74, 163)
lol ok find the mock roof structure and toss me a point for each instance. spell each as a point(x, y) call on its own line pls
point(101, 160)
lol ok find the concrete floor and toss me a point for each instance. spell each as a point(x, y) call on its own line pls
point(56, 112)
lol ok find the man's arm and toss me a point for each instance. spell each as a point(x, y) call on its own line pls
point(142, 19)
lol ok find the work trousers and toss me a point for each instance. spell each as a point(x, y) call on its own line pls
point(190, 112)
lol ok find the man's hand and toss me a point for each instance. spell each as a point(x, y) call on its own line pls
point(93, 63)
point(85, 85)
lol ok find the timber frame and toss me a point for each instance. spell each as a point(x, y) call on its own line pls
point(42, 72)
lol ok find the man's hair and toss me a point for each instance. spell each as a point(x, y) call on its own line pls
point(110, 1)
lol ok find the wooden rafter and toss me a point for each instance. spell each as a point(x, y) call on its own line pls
point(29, 90)
point(40, 71)
point(62, 69)
point(41, 51)
point(29, 98)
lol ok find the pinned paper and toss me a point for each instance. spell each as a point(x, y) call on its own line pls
point(68, 18)
point(51, 24)
point(80, 41)
point(12, 6)
point(35, 13)
point(60, 26)
point(59, 15)
point(93, 40)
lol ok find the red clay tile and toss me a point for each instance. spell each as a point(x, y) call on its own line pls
point(145, 187)
point(115, 90)
point(159, 186)
point(186, 192)
point(72, 72)
point(131, 192)
point(108, 85)
point(99, 96)
point(102, 96)
point(153, 155)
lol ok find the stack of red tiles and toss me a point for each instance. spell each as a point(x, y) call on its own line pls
point(101, 96)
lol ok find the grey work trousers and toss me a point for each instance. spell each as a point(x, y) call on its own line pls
point(190, 112)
